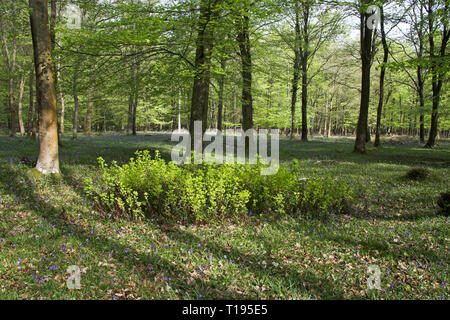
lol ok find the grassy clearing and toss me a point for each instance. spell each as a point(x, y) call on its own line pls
point(47, 226)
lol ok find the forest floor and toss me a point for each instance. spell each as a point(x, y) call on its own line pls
point(49, 225)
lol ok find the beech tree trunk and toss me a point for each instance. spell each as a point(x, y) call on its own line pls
point(422, 128)
point(437, 75)
point(48, 159)
point(132, 100)
point(420, 77)
point(246, 71)
point(304, 56)
point(213, 122)
point(296, 69)
point(382, 75)
point(366, 59)
point(61, 119)
point(61, 99)
point(200, 88)
point(19, 105)
point(135, 103)
point(304, 101)
point(420, 89)
point(75, 102)
point(179, 110)
point(12, 109)
point(220, 102)
point(130, 115)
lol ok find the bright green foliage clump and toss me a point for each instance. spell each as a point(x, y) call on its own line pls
point(151, 187)
point(322, 193)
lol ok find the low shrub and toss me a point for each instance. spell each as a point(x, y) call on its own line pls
point(444, 203)
point(322, 194)
point(418, 174)
point(150, 186)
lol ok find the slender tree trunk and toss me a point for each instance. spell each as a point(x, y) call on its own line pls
point(61, 121)
point(61, 99)
point(221, 90)
point(366, 58)
point(135, 104)
point(295, 78)
point(131, 99)
point(104, 121)
point(304, 101)
point(325, 124)
point(224, 117)
point(213, 123)
point(382, 75)
point(434, 113)
point(179, 109)
point(48, 159)
point(75, 102)
point(330, 119)
point(422, 128)
point(420, 78)
point(130, 115)
point(19, 105)
point(12, 108)
point(304, 62)
point(6, 109)
point(234, 106)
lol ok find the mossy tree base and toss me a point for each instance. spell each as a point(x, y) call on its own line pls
point(35, 173)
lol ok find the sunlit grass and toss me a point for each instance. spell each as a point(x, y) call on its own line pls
point(48, 225)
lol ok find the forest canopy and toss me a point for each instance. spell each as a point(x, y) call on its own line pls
point(131, 66)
